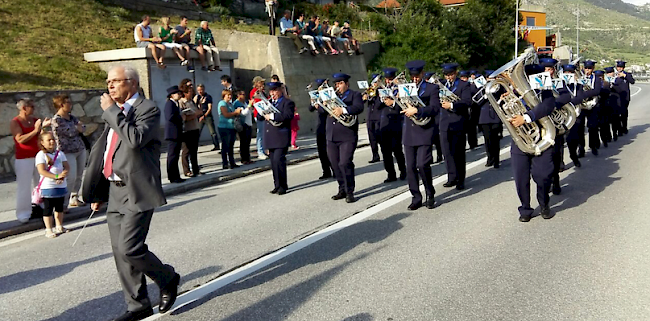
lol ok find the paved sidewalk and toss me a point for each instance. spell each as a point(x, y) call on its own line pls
point(209, 161)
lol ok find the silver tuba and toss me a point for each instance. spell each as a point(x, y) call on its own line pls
point(531, 138)
point(410, 101)
point(266, 108)
point(564, 118)
point(328, 99)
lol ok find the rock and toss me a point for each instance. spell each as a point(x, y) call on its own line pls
point(90, 128)
point(78, 110)
point(97, 120)
point(39, 94)
point(7, 112)
point(44, 108)
point(7, 145)
point(78, 97)
point(93, 108)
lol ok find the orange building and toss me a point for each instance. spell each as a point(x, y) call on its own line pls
point(535, 18)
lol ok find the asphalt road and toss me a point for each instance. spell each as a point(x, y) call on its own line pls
point(467, 259)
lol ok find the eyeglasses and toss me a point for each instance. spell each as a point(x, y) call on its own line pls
point(116, 81)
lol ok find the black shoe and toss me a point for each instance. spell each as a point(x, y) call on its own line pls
point(390, 179)
point(205, 69)
point(605, 144)
point(135, 316)
point(175, 181)
point(402, 176)
point(547, 213)
point(325, 176)
point(215, 149)
point(557, 190)
point(460, 186)
point(615, 138)
point(275, 190)
point(489, 164)
point(224, 167)
point(430, 203)
point(449, 184)
point(581, 154)
point(577, 163)
point(235, 166)
point(595, 152)
point(349, 198)
point(190, 69)
point(339, 196)
point(497, 165)
point(414, 206)
point(282, 191)
point(524, 218)
point(168, 294)
point(374, 160)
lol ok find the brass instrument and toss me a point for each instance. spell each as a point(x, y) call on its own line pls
point(410, 101)
point(565, 117)
point(371, 91)
point(531, 138)
point(330, 103)
point(446, 95)
point(267, 109)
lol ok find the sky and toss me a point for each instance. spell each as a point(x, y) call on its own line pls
point(637, 2)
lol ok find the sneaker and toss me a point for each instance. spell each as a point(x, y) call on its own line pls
point(335, 52)
point(190, 69)
point(303, 50)
point(184, 62)
point(350, 52)
point(262, 156)
point(205, 69)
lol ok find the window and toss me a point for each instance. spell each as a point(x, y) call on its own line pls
point(530, 21)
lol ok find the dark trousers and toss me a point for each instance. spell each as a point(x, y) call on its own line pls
point(606, 132)
point(341, 155)
point(190, 151)
point(472, 138)
point(321, 143)
point(557, 154)
point(391, 144)
point(228, 137)
point(418, 162)
point(132, 257)
point(623, 117)
point(245, 143)
point(540, 168)
point(616, 125)
point(373, 133)
point(209, 121)
point(278, 158)
point(492, 147)
point(453, 147)
point(436, 142)
point(594, 139)
point(173, 154)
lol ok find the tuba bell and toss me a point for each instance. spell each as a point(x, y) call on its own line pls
point(531, 138)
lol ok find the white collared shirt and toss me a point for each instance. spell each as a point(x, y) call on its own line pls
point(127, 107)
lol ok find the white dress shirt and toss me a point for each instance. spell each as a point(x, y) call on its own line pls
point(127, 106)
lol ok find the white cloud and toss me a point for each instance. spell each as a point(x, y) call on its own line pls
point(637, 2)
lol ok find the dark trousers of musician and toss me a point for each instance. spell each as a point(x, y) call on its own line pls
point(492, 143)
point(540, 168)
point(453, 147)
point(436, 142)
point(341, 155)
point(418, 166)
point(472, 136)
point(391, 144)
point(373, 137)
point(616, 126)
point(173, 155)
point(594, 138)
point(278, 158)
point(605, 132)
point(133, 259)
point(556, 157)
point(321, 143)
point(623, 126)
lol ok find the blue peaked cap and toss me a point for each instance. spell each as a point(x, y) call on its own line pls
point(390, 72)
point(548, 62)
point(449, 67)
point(590, 64)
point(320, 81)
point(415, 66)
point(533, 69)
point(570, 68)
point(274, 84)
point(341, 77)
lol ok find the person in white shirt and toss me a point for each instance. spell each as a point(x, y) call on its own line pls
point(145, 39)
point(53, 168)
point(287, 29)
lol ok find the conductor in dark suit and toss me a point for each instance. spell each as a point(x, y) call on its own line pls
point(173, 133)
point(342, 140)
point(321, 140)
point(453, 122)
point(124, 170)
point(277, 136)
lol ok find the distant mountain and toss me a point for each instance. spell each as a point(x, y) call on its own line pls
point(623, 7)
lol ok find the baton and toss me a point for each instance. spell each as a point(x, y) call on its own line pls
point(82, 229)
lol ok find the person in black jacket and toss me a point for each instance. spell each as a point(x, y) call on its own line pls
point(342, 140)
point(278, 137)
point(593, 115)
point(390, 132)
point(372, 122)
point(436, 139)
point(604, 110)
point(625, 93)
point(474, 112)
point(616, 102)
point(491, 127)
point(173, 133)
point(321, 140)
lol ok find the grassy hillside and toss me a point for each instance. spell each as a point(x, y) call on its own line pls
point(43, 41)
point(604, 34)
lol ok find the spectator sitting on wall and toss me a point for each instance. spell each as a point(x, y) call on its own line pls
point(166, 35)
point(183, 37)
point(336, 33)
point(145, 39)
point(347, 33)
point(206, 47)
point(302, 32)
point(287, 29)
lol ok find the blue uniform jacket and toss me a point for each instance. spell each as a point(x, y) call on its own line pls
point(374, 114)
point(337, 132)
point(616, 95)
point(391, 118)
point(414, 135)
point(488, 114)
point(625, 90)
point(543, 109)
point(455, 119)
point(174, 121)
point(322, 119)
point(280, 136)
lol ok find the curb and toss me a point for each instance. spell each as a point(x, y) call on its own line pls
point(170, 190)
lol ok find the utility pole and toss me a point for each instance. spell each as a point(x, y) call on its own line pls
point(577, 31)
point(517, 29)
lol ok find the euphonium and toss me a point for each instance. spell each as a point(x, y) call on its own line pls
point(564, 118)
point(587, 85)
point(268, 107)
point(446, 95)
point(329, 103)
point(410, 101)
point(531, 138)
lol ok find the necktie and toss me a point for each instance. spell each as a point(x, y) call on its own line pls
point(108, 166)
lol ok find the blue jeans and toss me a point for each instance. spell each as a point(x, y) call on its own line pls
point(260, 134)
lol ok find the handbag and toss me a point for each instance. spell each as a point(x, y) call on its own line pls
point(37, 197)
point(239, 127)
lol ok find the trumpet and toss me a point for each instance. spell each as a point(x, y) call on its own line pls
point(371, 91)
point(266, 108)
point(329, 102)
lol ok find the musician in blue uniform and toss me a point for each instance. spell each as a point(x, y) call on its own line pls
point(474, 112)
point(372, 122)
point(418, 139)
point(616, 102)
point(576, 134)
point(277, 135)
point(436, 138)
point(453, 122)
point(491, 127)
point(604, 109)
point(540, 167)
point(390, 132)
point(342, 140)
point(593, 115)
point(625, 94)
point(321, 141)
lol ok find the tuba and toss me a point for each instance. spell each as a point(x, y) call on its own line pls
point(564, 118)
point(266, 108)
point(410, 101)
point(328, 99)
point(531, 138)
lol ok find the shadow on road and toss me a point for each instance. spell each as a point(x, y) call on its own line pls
point(360, 317)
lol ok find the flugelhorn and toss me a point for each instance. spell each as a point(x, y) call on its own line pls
point(410, 101)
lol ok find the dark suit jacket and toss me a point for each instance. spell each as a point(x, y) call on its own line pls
point(616, 99)
point(374, 114)
point(280, 136)
point(174, 121)
point(337, 132)
point(545, 107)
point(414, 135)
point(136, 160)
point(625, 90)
point(390, 118)
point(322, 119)
point(455, 119)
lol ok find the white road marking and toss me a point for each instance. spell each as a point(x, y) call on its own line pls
point(638, 91)
point(264, 261)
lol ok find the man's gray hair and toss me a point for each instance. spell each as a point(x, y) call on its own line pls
point(204, 22)
point(129, 72)
point(24, 102)
point(201, 86)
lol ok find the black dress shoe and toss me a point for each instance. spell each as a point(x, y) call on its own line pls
point(339, 196)
point(577, 163)
point(557, 190)
point(489, 164)
point(524, 218)
point(402, 176)
point(430, 203)
point(414, 206)
point(547, 213)
point(168, 294)
point(224, 167)
point(497, 165)
point(175, 181)
point(325, 176)
point(605, 144)
point(595, 152)
point(275, 190)
point(234, 166)
point(135, 316)
point(449, 184)
point(349, 198)
point(374, 160)
point(460, 186)
point(282, 191)
point(581, 154)
point(390, 179)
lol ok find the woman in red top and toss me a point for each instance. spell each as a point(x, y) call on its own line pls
point(25, 128)
point(258, 84)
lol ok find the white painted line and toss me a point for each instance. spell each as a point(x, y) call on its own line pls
point(638, 91)
point(262, 262)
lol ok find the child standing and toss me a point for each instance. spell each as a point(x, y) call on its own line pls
point(53, 168)
point(294, 130)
